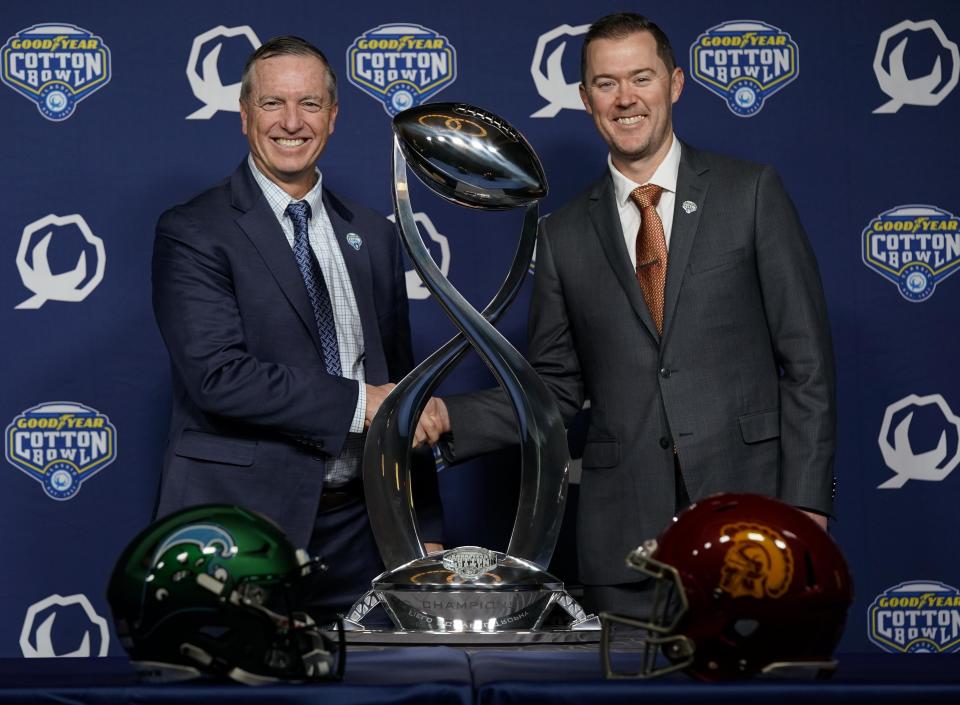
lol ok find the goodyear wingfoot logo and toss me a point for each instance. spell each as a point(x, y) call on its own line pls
point(916, 617)
point(55, 65)
point(61, 445)
point(914, 246)
point(744, 62)
point(401, 65)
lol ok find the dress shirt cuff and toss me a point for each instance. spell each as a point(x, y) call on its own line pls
point(356, 426)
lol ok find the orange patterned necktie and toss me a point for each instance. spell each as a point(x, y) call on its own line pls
point(651, 251)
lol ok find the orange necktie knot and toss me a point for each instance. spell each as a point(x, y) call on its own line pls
point(646, 195)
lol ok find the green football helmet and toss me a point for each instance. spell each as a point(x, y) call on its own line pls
point(214, 590)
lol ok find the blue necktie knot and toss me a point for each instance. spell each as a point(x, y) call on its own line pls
point(299, 212)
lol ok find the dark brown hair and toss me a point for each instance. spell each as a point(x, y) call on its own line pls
point(621, 25)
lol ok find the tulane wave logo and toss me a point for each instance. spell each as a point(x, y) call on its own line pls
point(913, 246)
point(209, 538)
point(401, 65)
point(56, 66)
point(744, 62)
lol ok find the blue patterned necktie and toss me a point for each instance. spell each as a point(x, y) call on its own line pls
point(299, 212)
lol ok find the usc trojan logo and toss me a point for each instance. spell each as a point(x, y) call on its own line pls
point(758, 563)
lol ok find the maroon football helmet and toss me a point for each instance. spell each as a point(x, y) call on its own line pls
point(745, 585)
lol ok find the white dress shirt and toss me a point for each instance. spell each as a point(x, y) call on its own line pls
point(346, 317)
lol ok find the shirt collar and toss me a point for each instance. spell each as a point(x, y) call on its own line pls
point(665, 176)
point(278, 199)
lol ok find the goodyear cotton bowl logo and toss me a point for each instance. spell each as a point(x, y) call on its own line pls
point(915, 247)
point(401, 65)
point(61, 445)
point(744, 62)
point(917, 617)
point(56, 66)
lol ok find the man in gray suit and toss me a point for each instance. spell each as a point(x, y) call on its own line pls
point(680, 296)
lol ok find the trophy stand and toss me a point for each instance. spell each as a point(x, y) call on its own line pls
point(468, 595)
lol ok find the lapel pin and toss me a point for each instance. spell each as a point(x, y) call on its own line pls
point(689, 207)
point(354, 241)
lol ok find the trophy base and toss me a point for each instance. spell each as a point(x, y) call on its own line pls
point(471, 596)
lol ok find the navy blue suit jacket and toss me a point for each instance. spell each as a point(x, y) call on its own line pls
point(255, 415)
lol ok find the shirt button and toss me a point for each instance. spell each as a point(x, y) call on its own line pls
point(664, 372)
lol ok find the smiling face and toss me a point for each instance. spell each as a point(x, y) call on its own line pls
point(287, 118)
point(630, 93)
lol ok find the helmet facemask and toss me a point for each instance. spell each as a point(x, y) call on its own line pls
point(655, 634)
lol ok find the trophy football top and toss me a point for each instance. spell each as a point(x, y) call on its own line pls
point(470, 156)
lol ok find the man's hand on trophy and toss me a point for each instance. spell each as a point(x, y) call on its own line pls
point(434, 422)
point(375, 397)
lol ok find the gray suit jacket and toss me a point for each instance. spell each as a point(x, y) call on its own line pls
point(742, 382)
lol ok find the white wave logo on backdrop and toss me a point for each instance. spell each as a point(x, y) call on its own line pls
point(415, 287)
point(206, 84)
point(927, 90)
point(548, 76)
point(907, 464)
point(64, 627)
point(33, 261)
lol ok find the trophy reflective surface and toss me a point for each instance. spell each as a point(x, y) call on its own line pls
point(469, 594)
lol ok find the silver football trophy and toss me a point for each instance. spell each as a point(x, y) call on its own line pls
point(468, 594)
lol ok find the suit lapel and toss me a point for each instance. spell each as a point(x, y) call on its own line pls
point(357, 261)
point(692, 188)
point(260, 225)
point(603, 213)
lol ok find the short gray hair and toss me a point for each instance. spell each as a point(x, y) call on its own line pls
point(287, 45)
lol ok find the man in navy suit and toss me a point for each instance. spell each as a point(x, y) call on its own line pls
point(284, 311)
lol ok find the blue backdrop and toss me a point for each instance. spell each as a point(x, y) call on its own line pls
point(111, 112)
